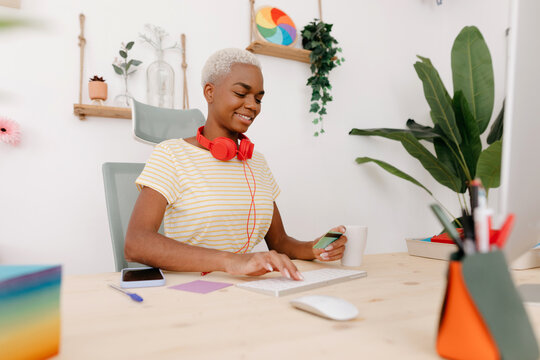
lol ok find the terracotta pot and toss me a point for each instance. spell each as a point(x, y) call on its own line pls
point(97, 90)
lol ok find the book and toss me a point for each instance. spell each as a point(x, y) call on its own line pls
point(428, 249)
point(29, 311)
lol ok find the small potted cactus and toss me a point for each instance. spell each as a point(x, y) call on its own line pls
point(97, 89)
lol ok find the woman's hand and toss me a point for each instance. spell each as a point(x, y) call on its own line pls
point(335, 250)
point(260, 263)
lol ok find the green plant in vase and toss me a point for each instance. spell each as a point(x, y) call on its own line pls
point(125, 68)
point(459, 155)
point(316, 37)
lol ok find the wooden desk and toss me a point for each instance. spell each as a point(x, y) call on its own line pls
point(399, 304)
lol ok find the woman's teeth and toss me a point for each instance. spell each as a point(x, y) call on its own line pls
point(244, 116)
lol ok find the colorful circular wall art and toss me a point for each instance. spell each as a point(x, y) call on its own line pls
point(275, 26)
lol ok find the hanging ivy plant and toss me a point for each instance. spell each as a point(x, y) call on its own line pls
point(316, 38)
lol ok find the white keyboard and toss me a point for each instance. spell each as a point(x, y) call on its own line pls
point(312, 279)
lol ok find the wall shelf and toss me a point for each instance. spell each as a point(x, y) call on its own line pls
point(83, 110)
point(285, 52)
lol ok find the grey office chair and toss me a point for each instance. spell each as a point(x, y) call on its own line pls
point(120, 195)
point(153, 124)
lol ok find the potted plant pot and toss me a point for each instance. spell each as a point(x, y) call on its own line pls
point(97, 89)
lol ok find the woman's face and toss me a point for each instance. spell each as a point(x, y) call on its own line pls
point(235, 100)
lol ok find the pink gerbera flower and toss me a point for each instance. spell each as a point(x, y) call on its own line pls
point(10, 131)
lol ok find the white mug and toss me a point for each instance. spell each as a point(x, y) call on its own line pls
point(355, 246)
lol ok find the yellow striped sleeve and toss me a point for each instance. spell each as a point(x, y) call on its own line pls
point(160, 173)
point(270, 178)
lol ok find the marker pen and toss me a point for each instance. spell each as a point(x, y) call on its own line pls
point(481, 228)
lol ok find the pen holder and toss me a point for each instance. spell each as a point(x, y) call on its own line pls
point(482, 316)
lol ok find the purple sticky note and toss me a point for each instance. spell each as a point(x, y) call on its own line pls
point(201, 286)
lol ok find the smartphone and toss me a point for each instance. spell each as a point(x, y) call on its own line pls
point(327, 239)
point(141, 277)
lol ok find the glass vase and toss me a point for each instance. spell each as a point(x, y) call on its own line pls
point(123, 99)
point(160, 83)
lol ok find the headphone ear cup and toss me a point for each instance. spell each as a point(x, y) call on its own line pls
point(223, 149)
point(242, 150)
point(250, 150)
point(246, 149)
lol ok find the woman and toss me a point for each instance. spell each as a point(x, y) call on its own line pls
point(216, 209)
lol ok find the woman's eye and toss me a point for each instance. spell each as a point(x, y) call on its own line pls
point(240, 95)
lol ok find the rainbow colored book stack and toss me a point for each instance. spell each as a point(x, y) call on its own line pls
point(29, 311)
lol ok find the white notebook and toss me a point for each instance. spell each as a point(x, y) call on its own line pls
point(312, 279)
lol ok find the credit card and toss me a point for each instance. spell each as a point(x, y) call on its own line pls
point(327, 239)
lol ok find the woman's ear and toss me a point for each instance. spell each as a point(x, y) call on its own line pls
point(208, 92)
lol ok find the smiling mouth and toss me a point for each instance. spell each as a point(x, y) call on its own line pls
point(245, 117)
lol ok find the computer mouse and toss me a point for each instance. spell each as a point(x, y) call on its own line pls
point(326, 306)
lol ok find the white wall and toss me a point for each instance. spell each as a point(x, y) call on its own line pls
point(52, 206)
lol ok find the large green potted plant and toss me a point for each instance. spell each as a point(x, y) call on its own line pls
point(459, 155)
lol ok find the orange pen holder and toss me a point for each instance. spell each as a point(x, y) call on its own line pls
point(482, 316)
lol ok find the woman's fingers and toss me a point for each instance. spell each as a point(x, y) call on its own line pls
point(283, 264)
point(334, 251)
point(335, 254)
point(268, 267)
point(264, 262)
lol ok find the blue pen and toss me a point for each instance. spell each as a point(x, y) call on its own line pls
point(133, 296)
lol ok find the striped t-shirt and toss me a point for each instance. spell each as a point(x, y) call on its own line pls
point(208, 200)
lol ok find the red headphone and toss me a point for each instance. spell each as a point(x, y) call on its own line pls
point(225, 149)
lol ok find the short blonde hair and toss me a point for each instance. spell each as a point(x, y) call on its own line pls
point(220, 62)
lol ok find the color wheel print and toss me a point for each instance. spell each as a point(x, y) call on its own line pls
point(275, 26)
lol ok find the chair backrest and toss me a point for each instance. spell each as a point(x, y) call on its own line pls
point(153, 124)
point(120, 195)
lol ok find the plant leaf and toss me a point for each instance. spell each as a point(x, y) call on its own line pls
point(496, 131)
point(438, 100)
point(471, 145)
point(489, 165)
point(130, 45)
point(411, 124)
point(118, 70)
point(472, 73)
point(392, 170)
point(440, 171)
point(123, 54)
point(422, 132)
point(446, 151)
point(393, 134)
point(427, 61)
point(135, 62)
